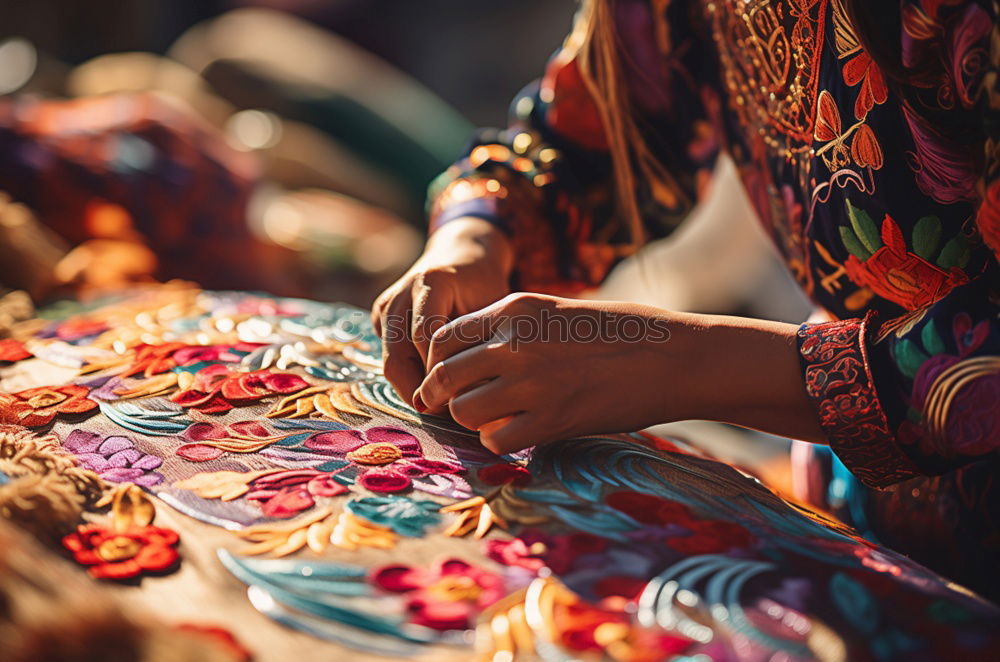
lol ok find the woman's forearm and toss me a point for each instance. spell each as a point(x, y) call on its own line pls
point(741, 371)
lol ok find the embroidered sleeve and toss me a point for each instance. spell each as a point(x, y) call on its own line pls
point(839, 382)
point(920, 394)
point(547, 179)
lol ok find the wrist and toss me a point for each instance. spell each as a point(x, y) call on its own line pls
point(741, 371)
point(475, 238)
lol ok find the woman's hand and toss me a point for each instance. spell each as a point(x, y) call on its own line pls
point(532, 368)
point(465, 267)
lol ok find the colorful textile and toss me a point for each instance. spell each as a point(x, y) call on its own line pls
point(882, 197)
point(133, 167)
point(627, 545)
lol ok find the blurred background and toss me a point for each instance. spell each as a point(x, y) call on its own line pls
point(286, 146)
point(283, 145)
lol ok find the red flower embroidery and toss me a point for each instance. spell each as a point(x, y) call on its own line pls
point(12, 350)
point(862, 69)
point(287, 493)
point(78, 328)
point(112, 554)
point(217, 389)
point(649, 509)
point(447, 596)
point(585, 627)
point(988, 217)
point(557, 552)
point(711, 537)
point(892, 271)
point(516, 553)
point(38, 406)
point(501, 474)
point(153, 359)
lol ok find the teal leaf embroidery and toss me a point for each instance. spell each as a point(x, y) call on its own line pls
point(405, 516)
point(156, 422)
point(853, 244)
point(864, 228)
point(909, 357)
point(931, 340)
point(307, 424)
point(926, 236)
point(955, 253)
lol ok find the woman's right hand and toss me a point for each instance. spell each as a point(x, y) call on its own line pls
point(465, 267)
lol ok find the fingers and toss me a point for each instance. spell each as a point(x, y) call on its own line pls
point(513, 433)
point(433, 301)
point(461, 334)
point(491, 401)
point(451, 377)
point(401, 362)
point(376, 314)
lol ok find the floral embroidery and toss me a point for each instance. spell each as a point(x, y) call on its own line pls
point(129, 546)
point(501, 474)
point(154, 359)
point(957, 395)
point(12, 350)
point(208, 441)
point(76, 329)
point(113, 554)
point(516, 553)
point(880, 259)
point(790, 47)
point(217, 389)
point(446, 596)
point(38, 406)
point(114, 458)
point(388, 458)
point(861, 69)
point(287, 493)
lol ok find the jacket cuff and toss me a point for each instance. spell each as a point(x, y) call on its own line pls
point(838, 381)
point(469, 196)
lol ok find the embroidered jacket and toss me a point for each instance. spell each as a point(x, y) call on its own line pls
point(882, 197)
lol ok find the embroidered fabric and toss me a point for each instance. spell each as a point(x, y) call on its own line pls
point(838, 380)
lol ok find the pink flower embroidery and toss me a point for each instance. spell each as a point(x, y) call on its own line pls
point(288, 493)
point(208, 441)
point(388, 457)
point(447, 596)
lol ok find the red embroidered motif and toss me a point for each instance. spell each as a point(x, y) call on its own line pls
point(13, 350)
point(839, 383)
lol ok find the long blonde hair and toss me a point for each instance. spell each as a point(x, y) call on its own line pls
point(600, 59)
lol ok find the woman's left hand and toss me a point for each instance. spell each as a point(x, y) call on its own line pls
point(532, 368)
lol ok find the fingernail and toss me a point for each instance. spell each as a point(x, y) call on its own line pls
point(418, 403)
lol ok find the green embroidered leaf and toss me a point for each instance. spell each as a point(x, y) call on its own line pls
point(864, 228)
point(909, 357)
point(955, 253)
point(931, 340)
point(853, 244)
point(926, 236)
